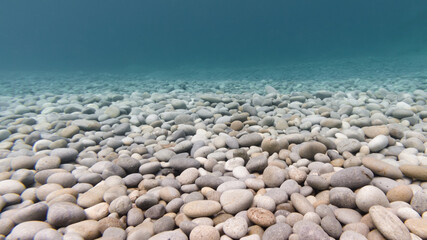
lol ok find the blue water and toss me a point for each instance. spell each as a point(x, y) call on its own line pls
point(194, 36)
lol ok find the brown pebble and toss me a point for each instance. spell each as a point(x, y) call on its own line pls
point(400, 193)
point(236, 125)
point(261, 217)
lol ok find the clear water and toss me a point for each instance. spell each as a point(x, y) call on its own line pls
point(196, 40)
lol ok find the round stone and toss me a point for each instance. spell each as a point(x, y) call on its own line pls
point(261, 217)
point(235, 227)
point(309, 149)
point(236, 200)
point(342, 197)
point(400, 193)
point(62, 214)
point(48, 162)
point(278, 231)
point(65, 179)
point(203, 232)
point(121, 205)
point(270, 145)
point(273, 176)
point(369, 196)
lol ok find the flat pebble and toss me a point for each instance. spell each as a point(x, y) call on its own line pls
point(235, 227)
point(201, 208)
point(388, 223)
point(261, 217)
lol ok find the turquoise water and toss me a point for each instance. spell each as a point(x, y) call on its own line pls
point(192, 38)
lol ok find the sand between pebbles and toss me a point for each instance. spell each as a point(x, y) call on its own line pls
point(179, 165)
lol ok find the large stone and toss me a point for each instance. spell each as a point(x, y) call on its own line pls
point(388, 224)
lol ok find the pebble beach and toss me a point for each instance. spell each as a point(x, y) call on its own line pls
point(113, 157)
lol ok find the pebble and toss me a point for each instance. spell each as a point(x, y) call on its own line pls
point(201, 208)
point(11, 186)
point(62, 214)
point(120, 205)
point(331, 226)
point(27, 230)
point(301, 204)
point(400, 193)
point(369, 196)
point(353, 177)
point(261, 217)
point(310, 231)
point(236, 200)
point(388, 223)
point(235, 227)
point(378, 143)
point(88, 229)
point(203, 232)
point(419, 201)
point(273, 176)
point(417, 226)
point(66, 155)
point(310, 149)
point(342, 197)
point(251, 139)
point(382, 168)
point(416, 172)
point(278, 231)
